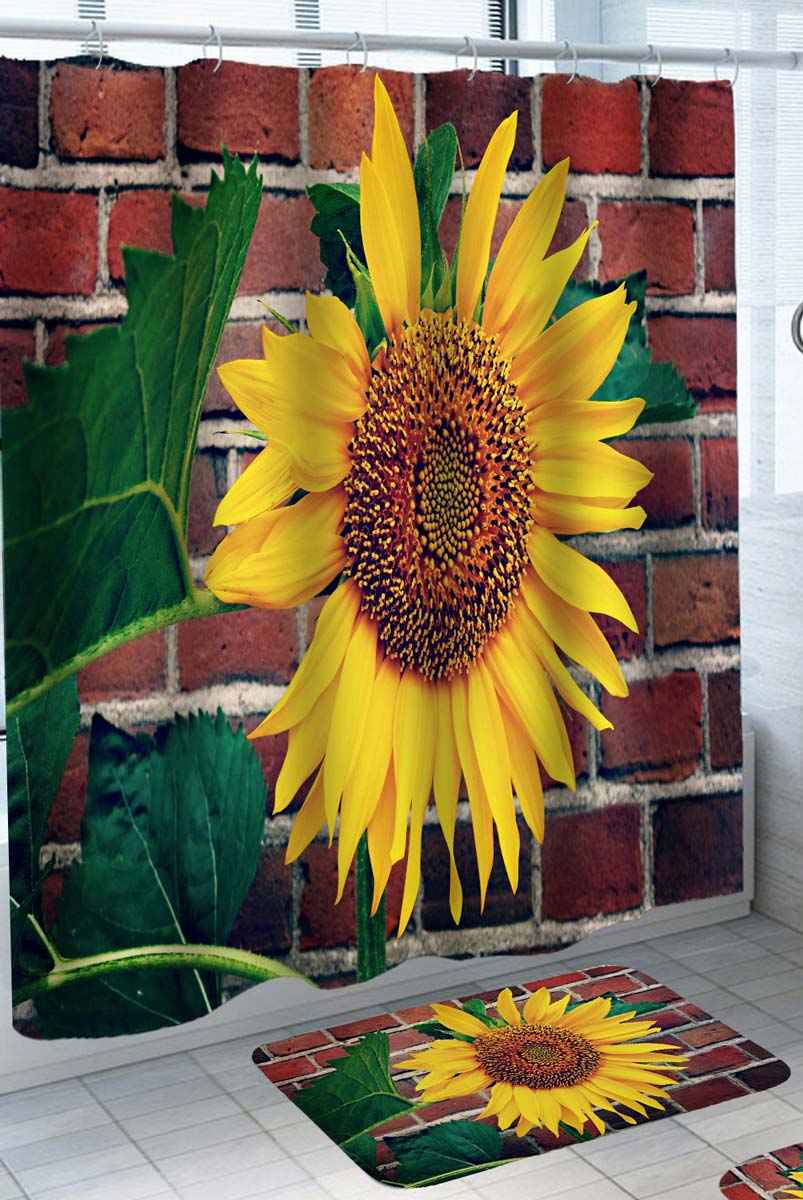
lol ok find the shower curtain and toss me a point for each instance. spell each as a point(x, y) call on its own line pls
point(316, 468)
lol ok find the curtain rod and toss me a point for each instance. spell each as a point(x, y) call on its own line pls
point(313, 39)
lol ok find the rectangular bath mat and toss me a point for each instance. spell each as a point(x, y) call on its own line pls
point(441, 1090)
point(776, 1175)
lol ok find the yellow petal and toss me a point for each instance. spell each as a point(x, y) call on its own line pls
point(525, 243)
point(587, 420)
point(446, 787)
point(480, 216)
point(415, 730)
point(588, 469)
point(282, 558)
point(334, 325)
point(501, 1095)
point(506, 1008)
point(508, 1114)
point(535, 1006)
point(572, 357)
point(305, 749)
point(491, 750)
point(311, 378)
point(389, 156)
point(352, 703)
point(459, 1020)
point(481, 818)
point(576, 579)
point(247, 382)
point(380, 838)
point(574, 696)
point(569, 515)
point(321, 662)
point(525, 774)
point(577, 633)
point(307, 821)
point(383, 250)
point(266, 483)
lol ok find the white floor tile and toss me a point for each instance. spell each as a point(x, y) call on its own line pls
point(52, 1125)
point(242, 1185)
point(67, 1171)
point(155, 1100)
point(137, 1183)
point(217, 1162)
point(169, 1120)
point(651, 1179)
point(195, 1137)
point(143, 1077)
point(8, 1186)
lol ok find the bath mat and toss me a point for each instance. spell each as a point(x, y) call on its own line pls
point(776, 1174)
point(440, 1090)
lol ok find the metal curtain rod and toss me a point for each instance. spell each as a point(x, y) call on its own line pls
point(313, 39)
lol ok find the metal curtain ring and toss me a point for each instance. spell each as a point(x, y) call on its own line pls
point(573, 75)
point(358, 43)
point(797, 327)
point(729, 57)
point(214, 36)
point(468, 44)
point(656, 54)
point(95, 35)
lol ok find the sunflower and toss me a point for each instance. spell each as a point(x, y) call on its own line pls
point(545, 1065)
point(797, 1177)
point(423, 487)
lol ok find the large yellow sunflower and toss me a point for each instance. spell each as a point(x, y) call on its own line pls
point(545, 1065)
point(794, 1192)
point(437, 476)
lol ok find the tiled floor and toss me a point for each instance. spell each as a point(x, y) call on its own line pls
point(206, 1126)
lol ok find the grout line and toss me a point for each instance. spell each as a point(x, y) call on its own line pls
point(303, 116)
point(46, 73)
point(699, 249)
point(536, 100)
point(644, 117)
point(419, 109)
point(171, 163)
point(103, 215)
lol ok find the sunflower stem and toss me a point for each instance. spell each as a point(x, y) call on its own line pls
point(371, 930)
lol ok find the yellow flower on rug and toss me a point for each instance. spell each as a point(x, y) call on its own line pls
point(545, 1065)
point(426, 489)
point(792, 1192)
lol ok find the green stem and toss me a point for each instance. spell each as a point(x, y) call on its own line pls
point(184, 957)
point(200, 603)
point(371, 930)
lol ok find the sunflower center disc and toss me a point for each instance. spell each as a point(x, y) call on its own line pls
point(437, 514)
point(536, 1056)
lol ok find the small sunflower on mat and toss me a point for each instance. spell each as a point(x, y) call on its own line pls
point(795, 1192)
point(545, 1065)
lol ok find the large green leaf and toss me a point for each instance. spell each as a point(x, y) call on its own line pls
point(634, 373)
point(448, 1150)
point(170, 845)
point(357, 1095)
point(433, 173)
point(336, 224)
point(97, 465)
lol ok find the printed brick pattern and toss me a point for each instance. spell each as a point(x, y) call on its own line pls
point(662, 776)
point(763, 1177)
point(719, 1066)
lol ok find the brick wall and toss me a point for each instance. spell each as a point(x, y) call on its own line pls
point(89, 159)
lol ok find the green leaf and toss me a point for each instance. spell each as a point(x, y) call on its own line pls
point(634, 373)
point(39, 741)
point(170, 845)
point(366, 309)
point(337, 218)
point(434, 1030)
point(362, 1149)
point(448, 1150)
point(476, 1007)
point(97, 465)
point(619, 1006)
point(357, 1095)
point(433, 173)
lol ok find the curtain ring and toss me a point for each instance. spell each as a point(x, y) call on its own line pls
point(468, 44)
point(214, 36)
point(95, 35)
point(729, 57)
point(568, 47)
point(359, 42)
point(797, 327)
point(656, 54)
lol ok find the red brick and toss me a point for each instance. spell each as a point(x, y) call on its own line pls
point(628, 575)
point(134, 669)
point(288, 1068)
point(654, 994)
point(790, 1156)
point(502, 906)
point(668, 1019)
point(241, 339)
point(657, 730)
point(668, 499)
point(16, 345)
point(598, 125)
point(619, 985)
point(19, 120)
point(263, 922)
point(283, 254)
point(249, 109)
point(322, 922)
point(708, 1035)
point(695, 1012)
point(271, 750)
point(252, 644)
point(207, 485)
point(720, 480)
point(48, 242)
point(591, 864)
point(115, 112)
point(448, 1108)
point(725, 719)
point(696, 599)
point(690, 129)
point(556, 980)
point(740, 1191)
point(405, 1039)
point(598, 972)
point(704, 351)
point(324, 1057)
point(721, 1058)
point(299, 1044)
point(416, 1015)
point(719, 239)
point(697, 848)
point(355, 1029)
point(765, 1173)
point(56, 349)
point(476, 106)
point(755, 1051)
point(64, 822)
point(657, 237)
point(341, 113)
point(710, 1091)
point(766, 1075)
point(139, 218)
